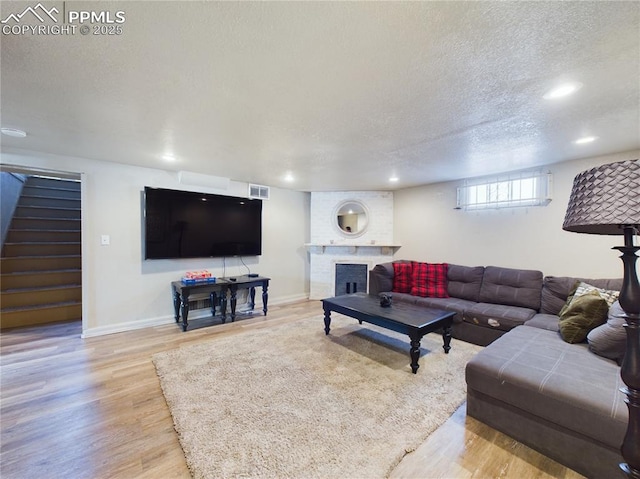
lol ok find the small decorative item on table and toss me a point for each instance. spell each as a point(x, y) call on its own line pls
point(385, 299)
point(194, 277)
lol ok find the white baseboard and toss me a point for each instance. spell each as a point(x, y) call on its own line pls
point(294, 298)
point(169, 319)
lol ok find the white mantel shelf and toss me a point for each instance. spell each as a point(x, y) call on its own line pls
point(352, 248)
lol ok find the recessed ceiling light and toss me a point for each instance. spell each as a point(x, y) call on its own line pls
point(13, 132)
point(168, 157)
point(563, 90)
point(393, 179)
point(586, 139)
point(289, 177)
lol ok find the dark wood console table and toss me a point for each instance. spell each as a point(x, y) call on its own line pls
point(222, 287)
point(250, 283)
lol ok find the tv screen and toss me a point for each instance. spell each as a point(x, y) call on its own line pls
point(185, 224)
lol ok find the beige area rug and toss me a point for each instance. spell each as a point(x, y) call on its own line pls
point(289, 402)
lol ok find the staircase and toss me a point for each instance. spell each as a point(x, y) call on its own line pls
point(41, 259)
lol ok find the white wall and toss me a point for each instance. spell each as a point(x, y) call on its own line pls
point(123, 291)
point(429, 229)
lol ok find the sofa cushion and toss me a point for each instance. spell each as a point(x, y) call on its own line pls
point(497, 316)
point(534, 370)
point(429, 280)
point(464, 281)
point(458, 305)
point(556, 289)
point(402, 277)
point(581, 316)
point(512, 287)
point(404, 298)
point(544, 321)
point(609, 340)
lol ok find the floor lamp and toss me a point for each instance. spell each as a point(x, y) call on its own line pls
point(606, 201)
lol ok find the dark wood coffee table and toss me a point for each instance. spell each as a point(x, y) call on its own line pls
point(405, 318)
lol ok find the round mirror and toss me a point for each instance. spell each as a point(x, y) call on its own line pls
point(351, 218)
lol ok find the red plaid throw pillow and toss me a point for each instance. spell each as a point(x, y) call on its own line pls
point(402, 273)
point(430, 280)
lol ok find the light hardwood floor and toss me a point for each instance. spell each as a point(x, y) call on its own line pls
point(93, 408)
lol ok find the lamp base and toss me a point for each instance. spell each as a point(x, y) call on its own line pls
point(630, 373)
point(625, 468)
point(630, 370)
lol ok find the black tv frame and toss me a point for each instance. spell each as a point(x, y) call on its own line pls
point(181, 224)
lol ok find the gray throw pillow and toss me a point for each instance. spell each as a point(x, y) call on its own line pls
point(585, 313)
point(610, 339)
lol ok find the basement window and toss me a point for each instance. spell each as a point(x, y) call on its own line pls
point(525, 188)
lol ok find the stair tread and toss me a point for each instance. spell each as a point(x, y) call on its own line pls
point(40, 306)
point(45, 256)
point(44, 271)
point(56, 188)
point(42, 288)
point(43, 242)
point(26, 195)
point(37, 230)
point(41, 207)
point(27, 257)
point(45, 218)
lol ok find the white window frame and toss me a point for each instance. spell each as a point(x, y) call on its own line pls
point(512, 190)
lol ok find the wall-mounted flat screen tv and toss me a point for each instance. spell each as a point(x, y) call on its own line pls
point(185, 224)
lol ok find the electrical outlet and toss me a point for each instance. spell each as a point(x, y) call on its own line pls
point(105, 240)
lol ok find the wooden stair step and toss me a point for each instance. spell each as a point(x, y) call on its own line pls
point(26, 279)
point(53, 183)
point(40, 314)
point(46, 223)
point(18, 264)
point(41, 288)
point(37, 307)
point(43, 242)
point(34, 190)
point(49, 201)
point(42, 235)
point(38, 249)
point(26, 211)
point(40, 279)
point(13, 298)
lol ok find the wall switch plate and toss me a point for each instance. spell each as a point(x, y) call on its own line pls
point(105, 240)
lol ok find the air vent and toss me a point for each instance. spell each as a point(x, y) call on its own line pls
point(258, 191)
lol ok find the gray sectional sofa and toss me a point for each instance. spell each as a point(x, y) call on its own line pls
point(488, 301)
point(558, 398)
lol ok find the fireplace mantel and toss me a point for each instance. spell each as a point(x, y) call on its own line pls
point(352, 248)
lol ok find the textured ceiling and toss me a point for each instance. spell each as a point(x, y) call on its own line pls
point(341, 95)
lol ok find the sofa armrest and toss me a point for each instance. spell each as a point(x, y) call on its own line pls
point(381, 278)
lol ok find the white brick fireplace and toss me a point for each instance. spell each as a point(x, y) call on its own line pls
point(330, 245)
